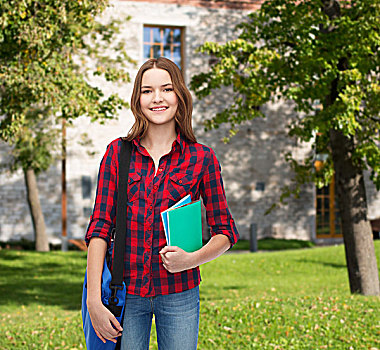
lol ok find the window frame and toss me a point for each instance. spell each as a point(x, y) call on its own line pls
point(332, 210)
point(182, 38)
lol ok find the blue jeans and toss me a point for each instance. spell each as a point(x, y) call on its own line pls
point(176, 317)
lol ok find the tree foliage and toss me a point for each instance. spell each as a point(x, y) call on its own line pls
point(295, 50)
point(49, 51)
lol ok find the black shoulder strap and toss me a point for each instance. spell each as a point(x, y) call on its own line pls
point(121, 213)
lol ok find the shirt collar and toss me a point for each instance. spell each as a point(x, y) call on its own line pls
point(180, 140)
point(139, 147)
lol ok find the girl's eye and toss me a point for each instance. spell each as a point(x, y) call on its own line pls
point(168, 89)
point(145, 91)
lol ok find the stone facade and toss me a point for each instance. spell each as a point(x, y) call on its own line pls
point(253, 166)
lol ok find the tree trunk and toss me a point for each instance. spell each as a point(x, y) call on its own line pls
point(42, 243)
point(357, 233)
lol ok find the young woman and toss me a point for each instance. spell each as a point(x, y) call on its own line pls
point(166, 164)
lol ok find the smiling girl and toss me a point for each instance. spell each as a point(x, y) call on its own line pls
point(166, 164)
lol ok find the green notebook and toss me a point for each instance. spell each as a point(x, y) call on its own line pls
point(185, 226)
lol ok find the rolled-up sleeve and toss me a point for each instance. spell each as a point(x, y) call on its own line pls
point(214, 198)
point(103, 218)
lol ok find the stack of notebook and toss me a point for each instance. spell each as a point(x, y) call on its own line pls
point(183, 224)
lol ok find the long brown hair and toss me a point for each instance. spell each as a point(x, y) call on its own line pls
point(185, 103)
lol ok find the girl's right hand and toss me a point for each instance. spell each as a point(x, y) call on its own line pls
point(105, 324)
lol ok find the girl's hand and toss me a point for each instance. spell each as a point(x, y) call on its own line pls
point(176, 259)
point(105, 324)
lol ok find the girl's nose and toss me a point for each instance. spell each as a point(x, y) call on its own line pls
point(157, 96)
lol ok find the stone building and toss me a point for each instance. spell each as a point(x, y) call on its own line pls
point(253, 165)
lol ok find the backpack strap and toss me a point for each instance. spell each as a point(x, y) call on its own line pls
point(121, 215)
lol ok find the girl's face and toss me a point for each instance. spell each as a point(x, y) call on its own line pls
point(158, 100)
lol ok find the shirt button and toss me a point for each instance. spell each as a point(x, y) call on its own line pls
point(160, 169)
point(180, 181)
point(155, 187)
point(150, 208)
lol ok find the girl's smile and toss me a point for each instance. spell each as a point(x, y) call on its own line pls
point(159, 108)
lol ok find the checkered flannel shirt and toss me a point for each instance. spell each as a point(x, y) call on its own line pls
point(188, 168)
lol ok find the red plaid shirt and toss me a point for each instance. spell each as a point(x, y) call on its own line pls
point(188, 168)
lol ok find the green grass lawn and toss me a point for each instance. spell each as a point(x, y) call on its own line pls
point(295, 299)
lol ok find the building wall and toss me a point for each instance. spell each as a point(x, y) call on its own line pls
point(15, 219)
point(253, 168)
point(218, 4)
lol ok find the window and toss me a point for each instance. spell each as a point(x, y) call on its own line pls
point(327, 209)
point(164, 41)
point(327, 220)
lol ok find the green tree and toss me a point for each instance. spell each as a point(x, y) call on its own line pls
point(314, 53)
point(49, 51)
